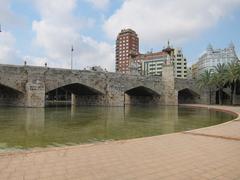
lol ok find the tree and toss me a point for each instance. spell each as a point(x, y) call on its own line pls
point(237, 72)
point(205, 81)
point(232, 76)
point(219, 79)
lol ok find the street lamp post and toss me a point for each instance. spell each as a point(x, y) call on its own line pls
point(72, 57)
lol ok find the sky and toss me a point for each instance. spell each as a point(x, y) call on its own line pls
point(43, 31)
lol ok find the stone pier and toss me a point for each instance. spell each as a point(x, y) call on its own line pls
point(35, 94)
point(169, 90)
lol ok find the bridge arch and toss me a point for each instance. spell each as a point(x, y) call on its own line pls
point(10, 96)
point(187, 96)
point(56, 85)
point(74, 93)
point(13, 84)
point(141, 95)
point(77, 88)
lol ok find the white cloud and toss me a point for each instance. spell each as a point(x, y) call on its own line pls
point(8, 52)
point(99, 4)
point(58, 30)
point(7, 16)
point(158, 20)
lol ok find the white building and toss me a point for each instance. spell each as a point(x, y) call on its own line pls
point(153, 62)
point(180, 64)
point(212, 57)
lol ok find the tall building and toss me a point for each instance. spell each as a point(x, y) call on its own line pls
point(151, 63)
point(128, 57)
point(212, 57)
point(127, 45)
point(180, 64)
point(194, 71)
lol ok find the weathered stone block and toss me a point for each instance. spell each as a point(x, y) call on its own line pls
point(35, 94)
point(169, 92)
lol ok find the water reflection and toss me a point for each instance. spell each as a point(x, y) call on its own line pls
point(23, 128)
point(35, 119)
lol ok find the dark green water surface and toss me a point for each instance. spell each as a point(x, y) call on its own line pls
point(23, 128)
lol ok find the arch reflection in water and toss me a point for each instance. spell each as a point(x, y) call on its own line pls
point(26, 128)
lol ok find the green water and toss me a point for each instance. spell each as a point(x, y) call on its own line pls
point(23, 128)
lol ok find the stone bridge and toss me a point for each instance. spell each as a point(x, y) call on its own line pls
point(32, 86)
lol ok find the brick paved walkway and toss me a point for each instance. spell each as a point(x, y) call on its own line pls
point(208, 153)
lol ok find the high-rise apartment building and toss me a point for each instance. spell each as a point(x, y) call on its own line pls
point(152, 62)
point(212, 57)
point(194, 71)
point(128, 57)
point(180, 64)
point(127, 45)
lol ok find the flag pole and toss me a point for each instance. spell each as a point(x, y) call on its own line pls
point(72, 57)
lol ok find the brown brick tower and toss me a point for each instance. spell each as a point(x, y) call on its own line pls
point(127, 44)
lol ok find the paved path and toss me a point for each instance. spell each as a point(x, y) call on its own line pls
point(209, 153)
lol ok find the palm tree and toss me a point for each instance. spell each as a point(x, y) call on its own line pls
point(237, 81)
point(232, 76)
point(205, 81)
point(219, 79)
